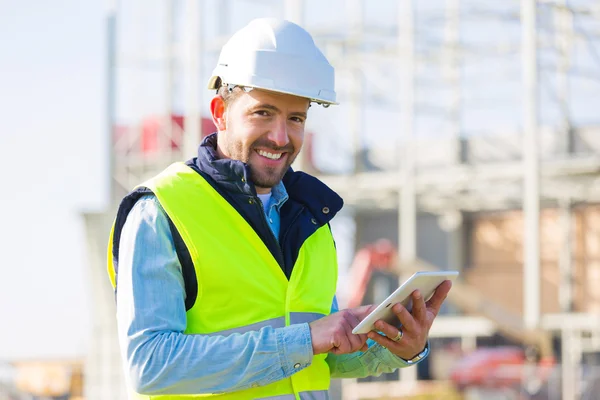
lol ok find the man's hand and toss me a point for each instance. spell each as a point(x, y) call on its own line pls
point(333, 333)
point(415, 326)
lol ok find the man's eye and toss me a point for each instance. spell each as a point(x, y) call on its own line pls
point(297, 119)
point(262, 113)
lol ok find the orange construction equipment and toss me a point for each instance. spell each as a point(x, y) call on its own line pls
point(382, 255)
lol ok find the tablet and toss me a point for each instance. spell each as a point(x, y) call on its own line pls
point(426, 282)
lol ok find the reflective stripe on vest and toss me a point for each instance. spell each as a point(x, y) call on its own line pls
point(314, 395)
point(230, 259)
point(309, 395)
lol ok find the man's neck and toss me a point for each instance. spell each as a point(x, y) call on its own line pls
point(262, 190)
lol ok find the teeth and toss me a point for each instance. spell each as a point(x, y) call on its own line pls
point(272, 156)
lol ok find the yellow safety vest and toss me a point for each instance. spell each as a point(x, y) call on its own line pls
point(234, 267)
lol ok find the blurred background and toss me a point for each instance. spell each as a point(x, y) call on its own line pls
point(468, 138)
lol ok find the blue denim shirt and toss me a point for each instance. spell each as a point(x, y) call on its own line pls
point(160, 359)
point(278, 197)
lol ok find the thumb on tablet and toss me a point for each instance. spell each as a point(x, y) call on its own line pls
point(362, 311)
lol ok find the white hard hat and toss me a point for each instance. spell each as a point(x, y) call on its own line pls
point(279, 56)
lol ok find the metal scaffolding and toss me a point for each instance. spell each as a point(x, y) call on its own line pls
point(390, 66)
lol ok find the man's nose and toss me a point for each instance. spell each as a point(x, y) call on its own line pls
point(278, 135)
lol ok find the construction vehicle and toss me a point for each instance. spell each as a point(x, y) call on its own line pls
point(498, 367)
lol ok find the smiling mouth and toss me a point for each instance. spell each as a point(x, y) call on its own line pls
point(271, 156)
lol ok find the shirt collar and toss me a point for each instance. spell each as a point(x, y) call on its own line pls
point(278, 196)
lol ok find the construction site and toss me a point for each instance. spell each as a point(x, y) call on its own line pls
point(467, 138)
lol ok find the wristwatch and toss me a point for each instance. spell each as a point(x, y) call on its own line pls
point(419, 356)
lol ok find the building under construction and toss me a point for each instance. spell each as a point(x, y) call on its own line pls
point(467, 138)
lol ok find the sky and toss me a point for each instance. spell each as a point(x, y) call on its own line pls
point(54, 148)
point(52, 167)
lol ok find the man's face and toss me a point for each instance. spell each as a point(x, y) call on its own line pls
point(265, 130)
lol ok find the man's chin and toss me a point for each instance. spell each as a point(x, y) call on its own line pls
point(267, 182)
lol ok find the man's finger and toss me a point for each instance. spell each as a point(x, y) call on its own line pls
point(419, 310)
point(406, 319)
point(365, 347)
point(352, 319)
point(356, 342)
point(362, 311)
point(441, 292)
point(384, 341)
point(404, 348)
point(363, 341)
point(350, 342)
point(362, 337)
point(359, 338)
point(388, 330)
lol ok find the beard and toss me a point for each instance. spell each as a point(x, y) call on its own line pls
point(267, 177)
point(263, 176)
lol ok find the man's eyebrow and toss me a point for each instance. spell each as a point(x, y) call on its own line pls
point(267, 106)
point(300, 114)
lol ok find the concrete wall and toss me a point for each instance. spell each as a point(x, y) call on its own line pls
point(497, 258)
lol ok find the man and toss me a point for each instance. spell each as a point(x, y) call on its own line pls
point(225, 267)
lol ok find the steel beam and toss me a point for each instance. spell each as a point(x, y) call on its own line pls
point(191, 137)
point(531, 167)
point(407, 200)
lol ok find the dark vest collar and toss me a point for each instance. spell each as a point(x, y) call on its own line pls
point(233, 176)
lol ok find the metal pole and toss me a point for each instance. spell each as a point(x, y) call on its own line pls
point(452, 222)
point(132, 168)
point(531, 199)
point(355, 15)
point(563, 21)
point(111, 93)
point(569, 364)
point(565, 293)
point(98, 366)
point(294, 11)
point(468, 343)
point(565, 298)
point(104, 362)
point(191, 138)
point(407, 206)
point(356, 11)
point(167, 138)
point(407, 228)
point(451, 69)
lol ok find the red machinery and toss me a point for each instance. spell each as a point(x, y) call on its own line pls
point(505, 366)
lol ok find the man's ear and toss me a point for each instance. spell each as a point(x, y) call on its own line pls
point(217, 109)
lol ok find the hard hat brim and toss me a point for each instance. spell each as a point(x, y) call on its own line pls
point(213, 85)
